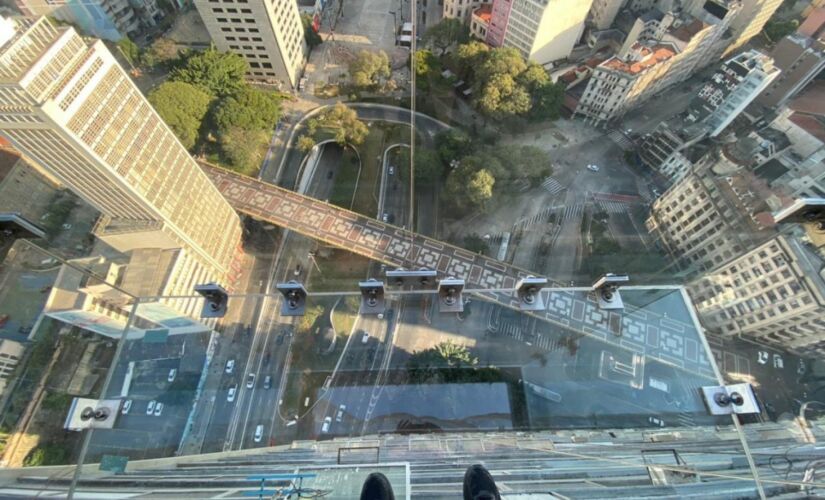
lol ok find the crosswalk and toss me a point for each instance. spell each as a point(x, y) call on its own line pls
point(552, 186)
point(537, 218)
point(621, 140)
point(612, 207)
point(572, 211)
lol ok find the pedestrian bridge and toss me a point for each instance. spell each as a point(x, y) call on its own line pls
point(666, 332)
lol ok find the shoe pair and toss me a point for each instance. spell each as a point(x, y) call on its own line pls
point(478, 485)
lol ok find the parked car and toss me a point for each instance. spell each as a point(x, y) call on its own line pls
point(259, 433)
point(385, 217)
point(158, 409)
point(391, 170)
point(127, 405)
point(340, 415)
point(230, 396)
point(656, 421)
point(172, 374)
point(230, 366)
point(593, 168)
point(365, 338)
point(268, 382)
point(250, 381)
point(150, 407)
point(326, 424)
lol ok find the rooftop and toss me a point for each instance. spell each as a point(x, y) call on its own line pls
point(812, 100)
point(650, 56)
point(810, 124)
point(485, 12)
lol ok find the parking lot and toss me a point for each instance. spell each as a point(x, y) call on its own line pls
point(144, 373)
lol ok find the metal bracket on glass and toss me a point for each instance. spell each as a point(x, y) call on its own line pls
point(449, 295)
point(216, 300)
point(528, 291)
point(372, 297)
point(420, 279)
point(607, 291)
point(295, 298)
point(727, 399)
point(85, 413)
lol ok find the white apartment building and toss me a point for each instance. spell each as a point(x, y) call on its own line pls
point(774, 293)
point(603, 12)
point(659, 52)
point(69, 108)
point(731, 89)
point(704, 221)
point(542, 31)
point(462, 9)
point(267, 33)
point(750, 20)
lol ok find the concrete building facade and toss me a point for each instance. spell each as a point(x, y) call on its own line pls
point(774, 293)
point(749, 21)
point(603, 13)
point(801, 59)
point(69, 108)
point(463, 9)
point(542, 31)
point(267, 33)
point(107, 19)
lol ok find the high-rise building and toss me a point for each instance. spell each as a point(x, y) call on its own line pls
point(10, 354)
point(704, 220)
point(69, 108)
point(267, 33)
point(750, 20)
point(661, 50)
point(801, 59)
point(542, 31)
point(774, 293)
point(107, 19)
point(603, 12)
point(730, 89)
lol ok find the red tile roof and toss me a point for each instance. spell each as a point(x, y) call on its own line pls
point(651, 57)
point(485, 12)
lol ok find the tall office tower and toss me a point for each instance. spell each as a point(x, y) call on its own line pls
point(730, 89)
point(704, 221)
point(68, 107)
point(108, 19)
point(774, 293)
point(542, 31)
point(267, 33)
point(660, 50)
point(801, 59)
point(750, 21)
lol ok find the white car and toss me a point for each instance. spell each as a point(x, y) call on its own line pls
point(172, 374)
point(656, 421)
point(150, 407)
point(762, 357)
point(593, 168)
point(158, 409)
point(340, 415)
point(327, 423)
point(250, 381)
point(127, 405)
point(391, 170)
point(385, 217)
point(365, 338)
point(230, 396)
point(230, 365)
point(259, 433)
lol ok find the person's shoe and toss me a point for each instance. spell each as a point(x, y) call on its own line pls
point(377, 487)
point(479, 484)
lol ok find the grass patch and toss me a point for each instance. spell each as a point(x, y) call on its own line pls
point(345, 180)
point(345, 314)
point(340, 271)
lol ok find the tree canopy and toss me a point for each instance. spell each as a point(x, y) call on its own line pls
point(775, 30)
point(249, 108)
point(129, 50)
point(343, 122)
point(243, 148)
point(162, 52)
point(452, 145)
point(368, 67)
point(469, 188)
point(218, 73)
point(445, 33)
point(311, 36)
point(428, 166)
point(183, 107)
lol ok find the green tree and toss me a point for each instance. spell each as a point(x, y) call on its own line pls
point(775, 30)
point(452, 145)
point(305, 143)
point(428, 166)
point(311, 36)
point(501, 61)
point(183, 107)
point(502, 96)
point(547, 102)
point(446, 33)
point(48, 454)
point(162, 53)
point(243, 149)
point(368, 67)
point(533, 77)
point(344, 123)
point(249, 108)
point(470, 56)
point(469, 189)
point(129, 50)
point(522, 162)
point(218, 73)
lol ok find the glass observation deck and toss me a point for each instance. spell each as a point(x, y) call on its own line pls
point(572, 398)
